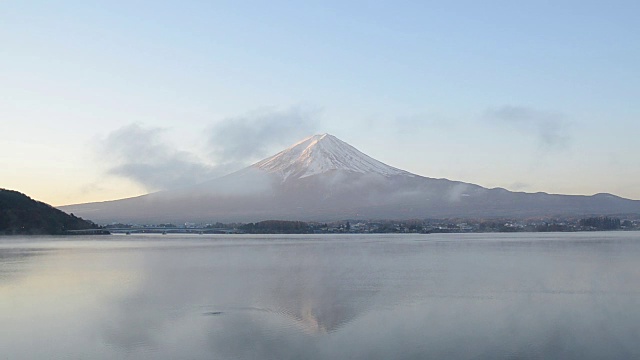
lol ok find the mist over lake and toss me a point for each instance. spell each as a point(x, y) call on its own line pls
point(457, 296)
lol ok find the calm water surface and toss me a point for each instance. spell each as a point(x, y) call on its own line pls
point(476, 296)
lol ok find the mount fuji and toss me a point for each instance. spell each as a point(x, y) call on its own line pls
point(323, 178)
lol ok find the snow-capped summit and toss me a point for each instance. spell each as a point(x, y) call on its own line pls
point(318, 154)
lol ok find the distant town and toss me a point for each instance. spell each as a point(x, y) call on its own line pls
point(601, 223)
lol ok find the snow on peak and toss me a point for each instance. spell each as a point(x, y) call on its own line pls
point(321, 153)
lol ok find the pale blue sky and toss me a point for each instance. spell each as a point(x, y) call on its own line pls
point(526, 95)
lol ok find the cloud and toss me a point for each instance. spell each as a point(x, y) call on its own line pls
point(550, 129)
point(142, 155)
point(252, 136)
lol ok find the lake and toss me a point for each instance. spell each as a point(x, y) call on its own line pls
point(437, 296)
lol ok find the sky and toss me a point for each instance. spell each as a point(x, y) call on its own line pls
point(102, 100)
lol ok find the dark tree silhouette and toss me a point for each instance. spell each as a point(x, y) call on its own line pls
point(19, 214)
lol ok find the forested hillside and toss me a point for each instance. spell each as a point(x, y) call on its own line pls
point(21, 215)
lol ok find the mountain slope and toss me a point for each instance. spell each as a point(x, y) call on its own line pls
point(323, 178)
point(19, 214)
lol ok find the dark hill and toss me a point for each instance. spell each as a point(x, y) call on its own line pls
point(21, 215)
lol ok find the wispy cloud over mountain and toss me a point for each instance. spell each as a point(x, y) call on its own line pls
point(143, 154)
point(251, 137)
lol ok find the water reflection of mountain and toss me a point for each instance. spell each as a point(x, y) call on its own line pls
point(319, 298)
point(272, 294)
